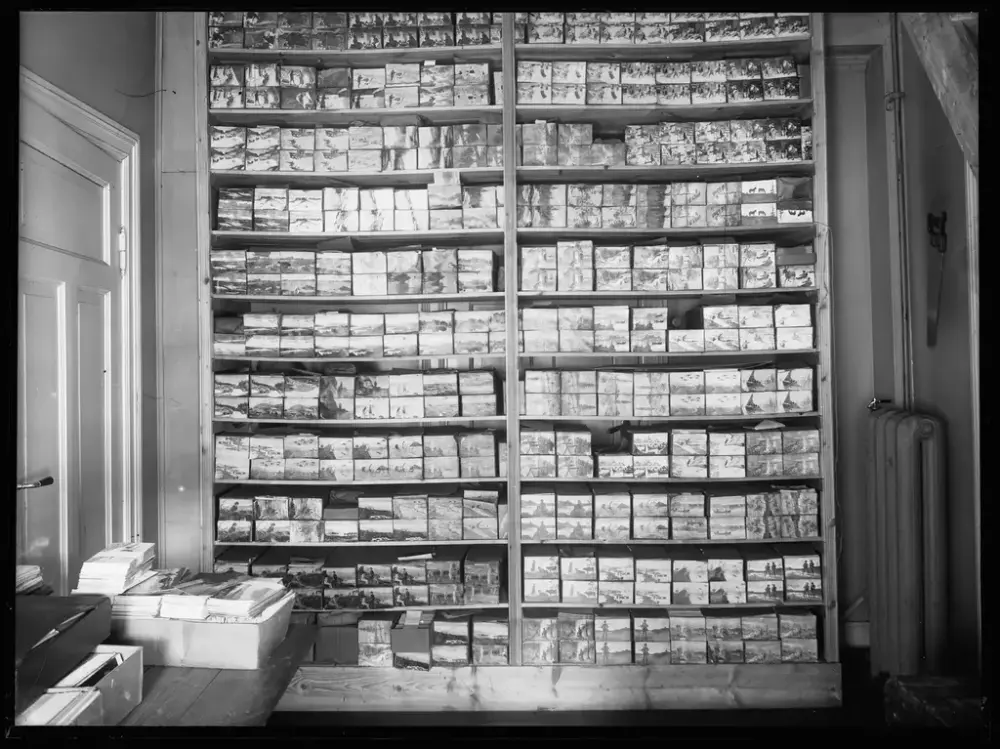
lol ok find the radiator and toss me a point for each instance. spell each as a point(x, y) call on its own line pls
point(907, 554)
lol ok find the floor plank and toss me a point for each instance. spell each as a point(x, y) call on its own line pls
point(168, 693)
point(247, 698)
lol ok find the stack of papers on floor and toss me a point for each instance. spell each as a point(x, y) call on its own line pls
point(58, 707)
point(116, 569)
point(28, 577)
point(189, 600)
point(246, 599)
point(143, 599)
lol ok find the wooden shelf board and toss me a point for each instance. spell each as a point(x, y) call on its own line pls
point(672, 542)
point(334, 117)
point(679, 608)
point(390, 423)
point(348, 484)
point(672, 419)
point(791, 232)
point(358, 58)
point(740, 480)
point(533, 688)
point(797, 46)
point(348, 360)
point(620, 115)
point(409, 178)
point(692, 172)
point(363, 544)
point(545, 296)
point(667, 355)
point(493, 296)
point(347, 240)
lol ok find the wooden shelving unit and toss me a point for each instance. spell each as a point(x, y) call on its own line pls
point(560, 687)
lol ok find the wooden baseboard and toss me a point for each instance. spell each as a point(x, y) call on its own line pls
point(535, 688)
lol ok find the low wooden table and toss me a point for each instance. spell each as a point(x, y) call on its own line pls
point(220, 697)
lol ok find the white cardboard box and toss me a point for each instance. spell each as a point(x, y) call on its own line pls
point(207, 644)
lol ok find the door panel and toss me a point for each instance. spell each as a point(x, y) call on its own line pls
point(82, 201)
point(42, 532)
point(93, 415)
point(71, 351)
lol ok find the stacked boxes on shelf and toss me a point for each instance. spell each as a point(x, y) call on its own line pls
point(350, 150)
point(612, 578)
point(674, 267)
point(303, 517)
point(773, 140)
point(655, 28)
point(616, 513)
point(647, 330)
point(702, 454)
point(303, 395)
point(368, 457)
point(661, 84)
point(397, 86)
point(564, 453)
point(652, 393)
point(677, 639)
point(351, 31)
point(439, 207)
point(455, 643)
point(676, 205)
point(379, 273)
point(361, 335)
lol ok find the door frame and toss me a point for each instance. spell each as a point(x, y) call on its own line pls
point(123, 145)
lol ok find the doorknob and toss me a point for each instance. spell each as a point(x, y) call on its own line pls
point(47, 481)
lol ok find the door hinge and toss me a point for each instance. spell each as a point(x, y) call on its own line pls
point(891, 98)
point(122, 251)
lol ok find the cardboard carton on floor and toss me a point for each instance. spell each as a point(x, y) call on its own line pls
point(121, 690)
point(207, 644)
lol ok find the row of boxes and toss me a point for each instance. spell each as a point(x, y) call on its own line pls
point(332, 209)
point(370, 457)
point(660, 84)
point(619, 579)
point(610, 329)
point(394, 86)
point(656, 28)
point(787, 200)
point(454, 578)
point(618, 513)
point(675, 453)
point(373, 273)
point(711, 392)
point(776, 140)
point(343, 31)
point(676, 266)
point(385, 641)
point(438, 394)
point(349, 334)
point(609, 638)
point(348, 517)
point(355, 149)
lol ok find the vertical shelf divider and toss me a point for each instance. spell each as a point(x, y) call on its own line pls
point(512, 401)
point(824, 343)
point(206, 315)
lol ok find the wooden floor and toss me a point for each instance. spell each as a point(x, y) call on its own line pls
point(220, 697)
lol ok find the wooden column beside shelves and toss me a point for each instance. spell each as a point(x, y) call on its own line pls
point(516, 686)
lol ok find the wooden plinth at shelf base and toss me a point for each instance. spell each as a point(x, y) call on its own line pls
point(512, 688)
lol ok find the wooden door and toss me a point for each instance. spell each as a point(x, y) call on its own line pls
point(70, 346)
